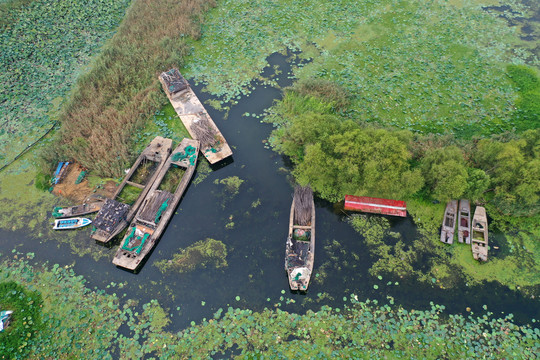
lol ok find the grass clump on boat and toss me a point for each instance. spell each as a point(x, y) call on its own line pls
point(208, 253)
point(129, 194)
point(171, 179)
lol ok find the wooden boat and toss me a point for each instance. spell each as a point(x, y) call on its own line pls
point(158, 207)
point(194, 116)
point(300, 248)
point(73, 223)
point(449, 222)
point(77, 210)
point(479, 239)
point(115, 214)
point(464, 221)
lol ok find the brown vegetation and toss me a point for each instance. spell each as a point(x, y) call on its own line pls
point(112, 101)
point(80, 193)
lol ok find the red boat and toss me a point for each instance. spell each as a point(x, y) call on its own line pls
point(376, 205)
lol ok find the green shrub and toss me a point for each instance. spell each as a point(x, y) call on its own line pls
point(16, 339)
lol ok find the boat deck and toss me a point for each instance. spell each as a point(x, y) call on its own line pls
point(150, 209)
point(191, 111)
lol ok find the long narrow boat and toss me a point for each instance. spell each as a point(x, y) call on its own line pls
point(464, 221)
point(300, 248)
point(73, 223)
point(194, 116)
point(158, 207)
point(117, 213)
point(449, 222)
point(77, 210)
point(479, 241)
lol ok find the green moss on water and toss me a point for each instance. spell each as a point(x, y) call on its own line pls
point(433, 68)
point(208, 253)
point(165, 122)
point(232, 184)
point(84, 323)
point(26, 319)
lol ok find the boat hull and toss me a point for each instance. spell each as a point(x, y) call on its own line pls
point(464, 222)
point(144, 231)
point(449, 222)
point(479, 241)
point(190, 110)
point(108, 222)
point(300, 252)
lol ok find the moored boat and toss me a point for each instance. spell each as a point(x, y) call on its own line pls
point(77, 210)
point(194, 116)
point(158, 207)
point(479, 241)
point(117, 213)
point(449, 222)
point(300, 246)
point(73, 223)
point(464, 221)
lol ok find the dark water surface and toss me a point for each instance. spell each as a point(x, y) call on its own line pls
point(256, 244)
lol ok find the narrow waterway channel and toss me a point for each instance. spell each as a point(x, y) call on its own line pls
point(256, 242)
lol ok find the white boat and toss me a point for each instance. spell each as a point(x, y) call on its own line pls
point(73, 223)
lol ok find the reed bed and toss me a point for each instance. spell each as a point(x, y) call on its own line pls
point(111, 103)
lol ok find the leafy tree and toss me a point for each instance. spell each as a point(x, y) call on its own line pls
point(514, 169)
point(478, 182)
point(445, 172)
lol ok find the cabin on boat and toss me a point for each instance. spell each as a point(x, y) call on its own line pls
point(376, 205)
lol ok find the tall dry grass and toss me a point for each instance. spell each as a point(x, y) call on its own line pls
point(113, 99)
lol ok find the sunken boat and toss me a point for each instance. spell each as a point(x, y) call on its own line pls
point(191, 111)
point(479, 241)
point(159, 205)
point(449, 222)
point(300, 247)
point(73, 223)
point(464, 221)
point(116, 213)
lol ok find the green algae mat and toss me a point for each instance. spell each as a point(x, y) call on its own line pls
point(437, 68)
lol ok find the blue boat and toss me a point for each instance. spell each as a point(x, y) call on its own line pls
point(73, 223)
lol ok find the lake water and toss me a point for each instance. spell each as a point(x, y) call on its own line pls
point(256, 243)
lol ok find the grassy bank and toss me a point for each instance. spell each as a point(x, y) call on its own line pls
point(113, 101)
point(79, 322)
